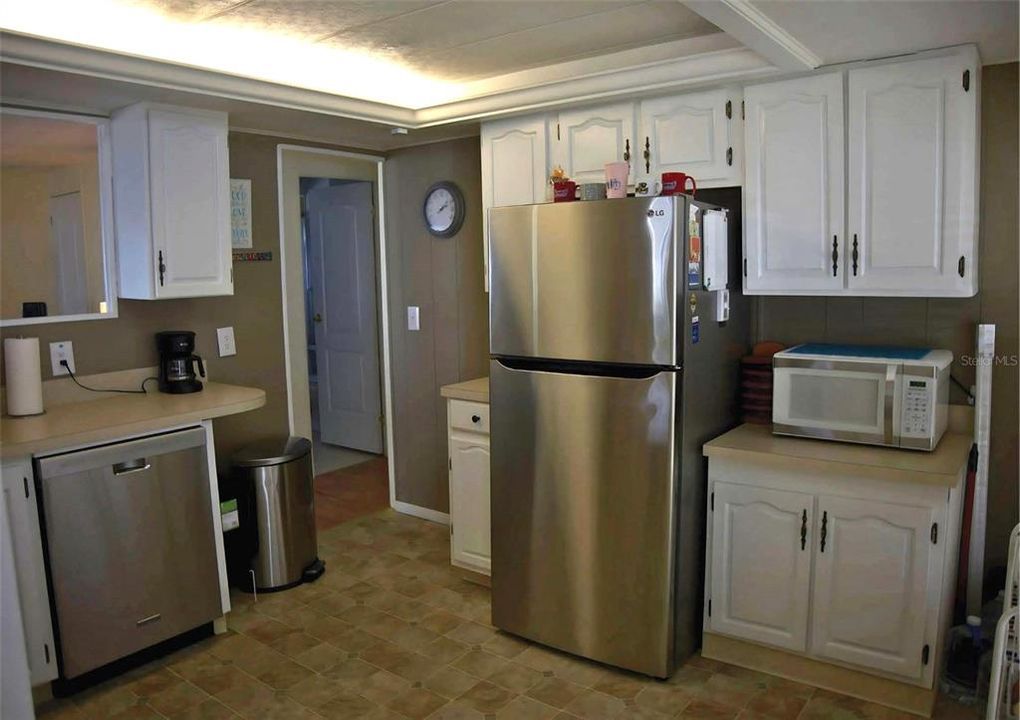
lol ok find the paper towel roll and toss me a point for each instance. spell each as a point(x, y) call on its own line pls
point(24, 376)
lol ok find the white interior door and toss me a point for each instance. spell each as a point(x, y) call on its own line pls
point(911, 195)
point(793, 201)
point(876, 583)
point(589, 138)
point(469, 504)
point(68, 243)
point(341, 242)
point(761, 564)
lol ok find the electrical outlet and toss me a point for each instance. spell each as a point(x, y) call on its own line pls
point(62, 351)
point(413, 318)
point(225, 340)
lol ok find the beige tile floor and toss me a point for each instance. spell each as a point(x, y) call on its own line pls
point(391, 632)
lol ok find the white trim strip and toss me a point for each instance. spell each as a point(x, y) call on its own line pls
point(420, 512)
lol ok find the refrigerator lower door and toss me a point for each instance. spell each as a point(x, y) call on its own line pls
point(130, 546)
point(583, 519)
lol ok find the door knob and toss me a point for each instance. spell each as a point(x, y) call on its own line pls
point(317, 317)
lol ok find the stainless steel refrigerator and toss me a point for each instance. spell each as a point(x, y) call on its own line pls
point(608, 373)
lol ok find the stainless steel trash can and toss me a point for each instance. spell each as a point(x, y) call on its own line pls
point(277, 476)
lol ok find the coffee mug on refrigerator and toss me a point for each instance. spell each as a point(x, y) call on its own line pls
point(616, 179)
point(675, 183)
point(564, 191)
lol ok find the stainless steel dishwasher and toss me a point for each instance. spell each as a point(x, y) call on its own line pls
point(130, 545)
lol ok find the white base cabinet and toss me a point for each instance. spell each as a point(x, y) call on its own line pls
point(831, 563)
point(470, 535)
point(171, 188)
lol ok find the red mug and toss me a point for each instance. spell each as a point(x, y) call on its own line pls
point(675, 183)
point(564, 191)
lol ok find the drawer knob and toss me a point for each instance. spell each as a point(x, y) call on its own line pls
point(475, 419)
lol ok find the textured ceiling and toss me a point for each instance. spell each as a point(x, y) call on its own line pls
point(42, 142)
point(453, 40)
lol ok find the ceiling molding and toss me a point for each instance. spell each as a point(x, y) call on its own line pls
point(625, 74)
point(749, 25)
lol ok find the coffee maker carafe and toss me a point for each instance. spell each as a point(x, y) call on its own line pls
point(176, 362)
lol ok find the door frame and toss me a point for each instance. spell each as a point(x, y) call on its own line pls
point(299, 415)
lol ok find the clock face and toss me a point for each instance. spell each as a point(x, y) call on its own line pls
point(444, 209)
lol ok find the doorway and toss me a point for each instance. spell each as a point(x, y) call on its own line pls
point(336, 349)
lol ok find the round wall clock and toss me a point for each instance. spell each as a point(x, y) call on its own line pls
point(444, 209)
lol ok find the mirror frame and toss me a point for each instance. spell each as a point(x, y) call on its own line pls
point(106, 228)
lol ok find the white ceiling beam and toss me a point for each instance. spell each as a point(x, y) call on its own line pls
point(755, 30)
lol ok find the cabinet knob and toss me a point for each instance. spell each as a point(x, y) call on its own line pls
point(317, 317)
point(475, 419)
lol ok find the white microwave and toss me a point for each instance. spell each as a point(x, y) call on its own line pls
point(890, 396)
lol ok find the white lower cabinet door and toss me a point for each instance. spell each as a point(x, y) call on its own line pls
point(470, 541)
point(876, 584)
point(761, 564)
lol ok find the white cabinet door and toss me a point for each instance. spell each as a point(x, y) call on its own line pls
point(876, 584)
point(469, 503)
point(588, 138)
point(26, 539)
point(761, 564)
point(190, 195)
point(692, 134)
point(913, 184)
point(793, 187)
point(514, 167)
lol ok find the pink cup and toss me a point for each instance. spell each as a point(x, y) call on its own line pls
point(616, 179)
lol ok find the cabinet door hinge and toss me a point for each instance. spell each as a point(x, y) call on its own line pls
point(46, 652)
point(966, 80)
point(961, 266)
point(745, 267)
point(710, 607)
point(934, 533)
point(741, 109)
point(729, 156)
point(162, 268)
point(729, 109)
point(450, 462)
point(557, 131)
point(711, 501)
point(25, 480)
point(925, 652)
point(451, 528)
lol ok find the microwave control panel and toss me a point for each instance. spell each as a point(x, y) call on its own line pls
point(916, 406)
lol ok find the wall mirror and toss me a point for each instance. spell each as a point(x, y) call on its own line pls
point(56, 218)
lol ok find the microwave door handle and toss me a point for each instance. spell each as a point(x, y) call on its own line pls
point(892, 434)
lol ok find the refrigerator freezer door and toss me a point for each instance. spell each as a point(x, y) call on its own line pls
point(583, 513)
point(587, 281)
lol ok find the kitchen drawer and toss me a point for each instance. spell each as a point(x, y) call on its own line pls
point(470, 416)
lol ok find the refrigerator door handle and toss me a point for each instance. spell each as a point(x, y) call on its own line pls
point(568, 367)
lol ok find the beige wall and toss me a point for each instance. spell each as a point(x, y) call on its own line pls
point(26, 263)
point(949, 323)
point(444, 278)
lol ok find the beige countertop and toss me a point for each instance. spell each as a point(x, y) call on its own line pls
point(476, 390)
point(112, 417)
point(942, 466)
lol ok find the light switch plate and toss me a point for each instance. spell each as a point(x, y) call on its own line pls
point(413, 318)
point(225, 341)
point(62, 350)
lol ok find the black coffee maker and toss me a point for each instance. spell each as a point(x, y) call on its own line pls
point(176, 362)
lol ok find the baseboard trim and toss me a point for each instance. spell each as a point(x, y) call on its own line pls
point(420, 512)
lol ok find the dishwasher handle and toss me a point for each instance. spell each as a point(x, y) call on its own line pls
point(131, 466)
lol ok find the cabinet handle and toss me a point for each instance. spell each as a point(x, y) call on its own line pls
point(854, 256)
point(835, 255)
point(803, 529)
point(648, 156)
point(825, 529)
point(626, 151)
point(162, 268)
point(475, 419)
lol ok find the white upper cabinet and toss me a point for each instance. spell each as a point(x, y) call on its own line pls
point(913, 176)
point(515, 167)
point(697, 133)
point(761, 564)
point(910, 225)
point(586, 139)
point(876, 584)
point(171, 202)
point(793, 188)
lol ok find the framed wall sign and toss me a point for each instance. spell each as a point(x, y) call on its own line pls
point(240, 214)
